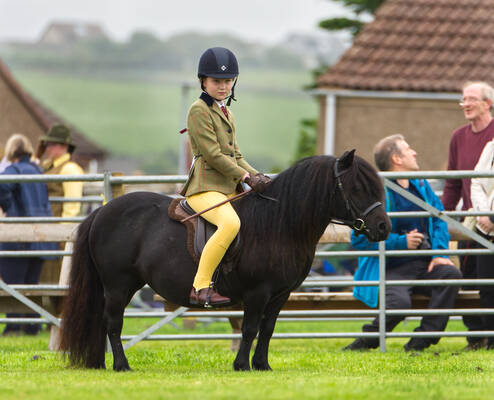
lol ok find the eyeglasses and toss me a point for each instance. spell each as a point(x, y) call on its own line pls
point(469, 100)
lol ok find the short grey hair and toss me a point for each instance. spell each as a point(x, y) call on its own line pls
point(487, 90)
point(385, 149)
point(18, 146)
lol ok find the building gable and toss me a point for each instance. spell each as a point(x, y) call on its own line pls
point(21, 113)
point(66, 33)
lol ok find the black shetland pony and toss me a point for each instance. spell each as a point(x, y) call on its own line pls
point(131, 241)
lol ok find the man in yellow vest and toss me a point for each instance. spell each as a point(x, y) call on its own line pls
point(55, 151)
point(57, 148)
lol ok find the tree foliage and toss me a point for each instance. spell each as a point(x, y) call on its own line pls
point(306, 143)
point(354, 25)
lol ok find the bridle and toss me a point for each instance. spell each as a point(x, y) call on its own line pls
point(357, 222)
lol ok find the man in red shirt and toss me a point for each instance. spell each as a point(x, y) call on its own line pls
point(465, 148)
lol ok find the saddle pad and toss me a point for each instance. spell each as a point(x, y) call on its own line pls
point(198, 229)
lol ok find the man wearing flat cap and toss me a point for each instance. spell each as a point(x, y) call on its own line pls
point(55, 150)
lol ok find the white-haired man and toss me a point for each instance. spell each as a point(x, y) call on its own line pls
point(466, 145)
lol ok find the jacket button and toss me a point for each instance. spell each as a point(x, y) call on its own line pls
point(230, 143)
point(231, 154)
point(229, 130)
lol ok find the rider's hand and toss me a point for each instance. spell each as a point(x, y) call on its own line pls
point(258, 182)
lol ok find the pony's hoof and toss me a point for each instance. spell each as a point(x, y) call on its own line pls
point(261, 366)
point(241, 366)
point(121, 368)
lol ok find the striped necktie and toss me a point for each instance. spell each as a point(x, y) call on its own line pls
point(223, 108)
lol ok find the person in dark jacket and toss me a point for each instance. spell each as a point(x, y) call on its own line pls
point(22, 200)
point(394, 154)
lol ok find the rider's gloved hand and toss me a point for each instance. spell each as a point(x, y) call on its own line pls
point(258, 182)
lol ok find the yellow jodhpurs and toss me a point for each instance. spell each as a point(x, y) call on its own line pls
point(228, 224)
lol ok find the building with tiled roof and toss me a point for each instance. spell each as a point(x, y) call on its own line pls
point(67, 33)
point(21, 113)
point(404, 74)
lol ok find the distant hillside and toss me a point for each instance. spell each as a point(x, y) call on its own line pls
point(139, 120)
point(146, 52)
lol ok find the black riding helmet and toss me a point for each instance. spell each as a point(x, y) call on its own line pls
point(218, 62)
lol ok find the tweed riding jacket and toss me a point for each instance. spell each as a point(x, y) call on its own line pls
point(218, 164)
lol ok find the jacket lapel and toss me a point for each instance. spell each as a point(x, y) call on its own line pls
point(215, 107)
point(217, 110)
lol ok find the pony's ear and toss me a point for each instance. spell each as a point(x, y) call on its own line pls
point(346, 159)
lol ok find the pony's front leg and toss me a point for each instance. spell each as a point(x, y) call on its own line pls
point(268, 322)
point(254, 306)
point(113, 316)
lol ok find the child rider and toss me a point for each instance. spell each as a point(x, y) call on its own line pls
point(218, 167)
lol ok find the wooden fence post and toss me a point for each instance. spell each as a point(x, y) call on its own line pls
point(54, 344)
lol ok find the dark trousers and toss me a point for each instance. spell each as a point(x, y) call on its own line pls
point(399, 297)
point(470, 269)
point(19, 271)
point(485, 270)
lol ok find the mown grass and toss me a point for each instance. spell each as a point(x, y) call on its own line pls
point(140, 117)
point(303, 369)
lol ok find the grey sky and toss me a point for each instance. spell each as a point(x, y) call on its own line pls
point(268, 20)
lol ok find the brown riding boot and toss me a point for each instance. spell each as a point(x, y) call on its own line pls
point(208, 297)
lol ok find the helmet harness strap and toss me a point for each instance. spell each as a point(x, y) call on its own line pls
point(232, 95)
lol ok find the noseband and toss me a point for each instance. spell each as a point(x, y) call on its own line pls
point(357, 222)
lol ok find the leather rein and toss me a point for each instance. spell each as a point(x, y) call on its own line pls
point(357, 223)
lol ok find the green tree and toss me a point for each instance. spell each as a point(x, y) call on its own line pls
point(360, 8)
point(306, 143)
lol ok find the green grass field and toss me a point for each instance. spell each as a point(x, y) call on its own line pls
point(141, 116)
point(303, 369)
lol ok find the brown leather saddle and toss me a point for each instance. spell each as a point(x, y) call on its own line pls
point(198, 230)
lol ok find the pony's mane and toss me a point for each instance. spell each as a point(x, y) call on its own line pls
point(294, 218)
point(296, 190)
point(304, 193)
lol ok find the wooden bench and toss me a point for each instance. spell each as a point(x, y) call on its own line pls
point(339, 301)
point(50, 300)
point(37, 232)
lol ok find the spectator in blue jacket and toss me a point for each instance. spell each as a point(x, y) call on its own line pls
point(22, 200)
point(394, 154)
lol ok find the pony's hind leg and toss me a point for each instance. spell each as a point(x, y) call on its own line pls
point(114, 310)
point(268, 322)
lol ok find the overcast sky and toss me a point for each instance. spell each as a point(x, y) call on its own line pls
point(263, 20)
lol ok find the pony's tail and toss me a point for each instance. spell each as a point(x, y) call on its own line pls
point(83, 333)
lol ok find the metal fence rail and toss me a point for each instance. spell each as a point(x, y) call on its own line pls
point(313, 335)
point(108, 180)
